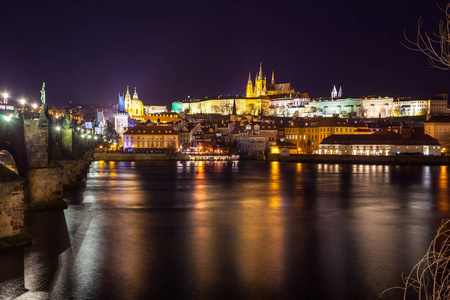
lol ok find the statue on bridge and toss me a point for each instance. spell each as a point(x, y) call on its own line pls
point(67, 122)
point(43, 94)
point(42, 115)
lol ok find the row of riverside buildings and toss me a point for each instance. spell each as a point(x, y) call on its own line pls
point(274, 118)
point(256, 136)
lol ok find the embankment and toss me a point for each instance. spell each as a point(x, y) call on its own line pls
point(139, 156)
point(353, 159)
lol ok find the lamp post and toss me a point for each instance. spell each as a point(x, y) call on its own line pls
point(5, 98)
point(23, 101)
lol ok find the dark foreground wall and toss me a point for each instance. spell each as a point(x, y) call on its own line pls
point(353, 159)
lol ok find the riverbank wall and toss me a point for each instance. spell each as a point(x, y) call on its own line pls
point(302, 158)
point(139, 156)
point(356, 159)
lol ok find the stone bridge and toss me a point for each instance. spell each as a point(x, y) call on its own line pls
point(31, 176)
point(12, 144)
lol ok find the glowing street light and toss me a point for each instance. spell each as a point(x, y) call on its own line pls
point(34, 105)
point(5, 98)
point(7, 118)
point(23, 101)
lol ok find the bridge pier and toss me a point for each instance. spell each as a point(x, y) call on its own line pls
point(44, 177)
point(12, 231)
point(75, 170)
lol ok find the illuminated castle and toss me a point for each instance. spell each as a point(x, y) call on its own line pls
point(261, 88)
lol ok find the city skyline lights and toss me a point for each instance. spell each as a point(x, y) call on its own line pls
point(174, 50)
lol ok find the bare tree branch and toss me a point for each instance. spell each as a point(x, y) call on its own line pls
point(430, 277)
point(437, 46)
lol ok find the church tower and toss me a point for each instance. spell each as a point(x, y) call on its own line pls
point(127, 100)
point(135, 95)
point(260, 83)
point(334, 92)
point(273, 78)
point(340, 92)
point(250, 93)
point(121, 117)
point(121, 104)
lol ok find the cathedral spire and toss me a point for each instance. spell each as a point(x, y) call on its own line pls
point(260, 77)
point(334, 92)
point(135, 95)
point(273, 78)
point(249, 92)
point(340, 92)
point(127, 100)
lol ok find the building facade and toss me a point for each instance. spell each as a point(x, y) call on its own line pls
point(306, 134)
point(439, 128)
point(380, 144)
point(150, 137)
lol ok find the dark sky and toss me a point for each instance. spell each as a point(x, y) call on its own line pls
point(88, 51)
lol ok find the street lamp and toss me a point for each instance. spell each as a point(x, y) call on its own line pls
point(5, 98)
point(22, 101)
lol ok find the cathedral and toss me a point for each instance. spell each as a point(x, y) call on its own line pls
point(133, 106)
point(261, 88)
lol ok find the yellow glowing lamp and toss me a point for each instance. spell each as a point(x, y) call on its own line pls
point(275, 150)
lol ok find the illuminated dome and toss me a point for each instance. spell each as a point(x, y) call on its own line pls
point(136, 109)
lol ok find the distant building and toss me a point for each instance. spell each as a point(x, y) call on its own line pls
point(375, 106)
point(262, 88)
point(261, 98)
point(186, 134)
point(121, 116)
point(136, 109)
point(100, 123)
point(177, 106)
point(439, 128)
point(306, 134)
point(381, 143)
point(150, 137)
point(154, 109)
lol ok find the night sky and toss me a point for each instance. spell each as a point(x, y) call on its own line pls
point(88, 51)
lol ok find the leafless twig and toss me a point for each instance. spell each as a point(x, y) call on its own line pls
point(430, 278)
point(436, 46)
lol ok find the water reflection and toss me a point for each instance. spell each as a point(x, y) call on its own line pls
point(219, 230)
point(443, 190)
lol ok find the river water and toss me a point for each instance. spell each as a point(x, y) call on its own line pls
point(242, 230)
